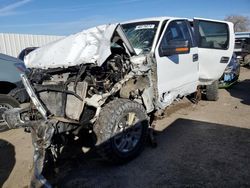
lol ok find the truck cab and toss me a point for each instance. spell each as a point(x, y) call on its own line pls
point(188, 52)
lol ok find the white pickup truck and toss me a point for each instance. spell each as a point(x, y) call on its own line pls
point(110, 80)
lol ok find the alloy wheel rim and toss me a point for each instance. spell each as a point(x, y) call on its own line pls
point(127, 133)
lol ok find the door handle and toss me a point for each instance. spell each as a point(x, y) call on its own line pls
point(224, 59)
point(195, 57)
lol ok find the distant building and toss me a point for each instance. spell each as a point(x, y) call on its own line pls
point(13, 44)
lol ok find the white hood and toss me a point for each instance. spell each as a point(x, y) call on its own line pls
point(89, 46)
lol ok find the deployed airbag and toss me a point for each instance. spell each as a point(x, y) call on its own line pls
point(89, 46)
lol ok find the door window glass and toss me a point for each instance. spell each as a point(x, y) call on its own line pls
point(176, 30)
point(213, 35)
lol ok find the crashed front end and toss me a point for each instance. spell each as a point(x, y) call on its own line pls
point(72, 79)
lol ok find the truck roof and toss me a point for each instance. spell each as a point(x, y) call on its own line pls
point(152, 19)
point(162, 18)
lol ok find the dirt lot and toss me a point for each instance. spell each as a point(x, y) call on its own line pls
point(204, 145)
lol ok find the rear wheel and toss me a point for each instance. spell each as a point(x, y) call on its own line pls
point(212, 91)
point(6, 103)
point(121, 130)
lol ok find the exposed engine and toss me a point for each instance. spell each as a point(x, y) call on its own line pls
point(62, 91)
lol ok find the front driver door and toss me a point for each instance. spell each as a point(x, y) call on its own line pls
point(178, 73)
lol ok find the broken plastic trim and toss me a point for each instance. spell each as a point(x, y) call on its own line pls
point(33, 96)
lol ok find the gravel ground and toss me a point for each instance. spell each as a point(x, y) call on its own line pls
point(204, 145)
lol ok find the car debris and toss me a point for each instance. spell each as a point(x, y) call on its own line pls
point(112, 79)
point(231, 73)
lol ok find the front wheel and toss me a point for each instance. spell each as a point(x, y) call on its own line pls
point(6, 103)
point(121, 130)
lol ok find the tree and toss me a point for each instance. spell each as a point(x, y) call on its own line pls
point(241, 23)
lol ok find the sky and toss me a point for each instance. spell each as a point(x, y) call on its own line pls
point(64, 17)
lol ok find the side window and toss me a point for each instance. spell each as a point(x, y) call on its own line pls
point(213, 35)
point(176, 30)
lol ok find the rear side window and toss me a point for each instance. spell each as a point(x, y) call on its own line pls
point(213, 35)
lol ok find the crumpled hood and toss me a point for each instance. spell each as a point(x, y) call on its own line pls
point(89, 46)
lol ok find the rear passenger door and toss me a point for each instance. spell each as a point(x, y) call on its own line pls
point(215, 41)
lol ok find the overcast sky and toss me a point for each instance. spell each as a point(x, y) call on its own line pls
point(63, 17)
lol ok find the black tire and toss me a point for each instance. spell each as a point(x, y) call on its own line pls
point(212, 93)
point(113, 114)
point(6, 102)
point(247, 60)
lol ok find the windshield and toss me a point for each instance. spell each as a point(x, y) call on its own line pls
point(141, 35)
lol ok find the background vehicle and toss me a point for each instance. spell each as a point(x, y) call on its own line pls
point(242, 47)
point(111, 83)
point(12, 92)
point(10, 69)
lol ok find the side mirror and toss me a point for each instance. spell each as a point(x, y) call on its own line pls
point(175, 47)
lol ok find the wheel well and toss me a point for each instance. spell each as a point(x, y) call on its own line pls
point(6, 87)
